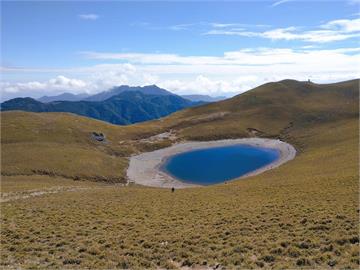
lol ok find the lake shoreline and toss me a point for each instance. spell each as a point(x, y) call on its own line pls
point(145, 169)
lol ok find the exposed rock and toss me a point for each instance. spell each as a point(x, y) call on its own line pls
point(100, 137)
point(170, 135)
point(254, 132)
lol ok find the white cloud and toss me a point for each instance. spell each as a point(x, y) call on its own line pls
point(63, 82)
point(178, 27)
point(245, 57)
point(335, 30)
point(280, 2)
point(89, 16)
point(151, 58)
point(223, 25)
point(201, 84)
point(344, 25)
point(236, 25)
point(354, 2)
point(197, 26)
point(233, 72)
point(204, 85)
point(58, 84)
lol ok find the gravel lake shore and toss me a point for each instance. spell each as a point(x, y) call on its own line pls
point(145, 169)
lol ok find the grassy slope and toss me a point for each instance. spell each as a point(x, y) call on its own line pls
point(46, 143)
point(304, 213)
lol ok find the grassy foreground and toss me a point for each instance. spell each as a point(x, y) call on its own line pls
point(302, 214)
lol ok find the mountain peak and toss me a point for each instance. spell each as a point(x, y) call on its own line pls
point(147, 89)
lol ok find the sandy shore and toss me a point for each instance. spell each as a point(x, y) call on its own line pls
point(144, 169)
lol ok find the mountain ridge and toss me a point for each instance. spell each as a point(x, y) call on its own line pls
point(147, 89)
point(125, 108)
point(63, 97)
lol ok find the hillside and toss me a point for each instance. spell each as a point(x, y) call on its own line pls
point(258, 112)
point(302, 214)
point(124, 108)
point(270, 110)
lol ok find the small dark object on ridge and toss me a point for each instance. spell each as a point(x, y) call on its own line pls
point(172, 189)
point(100, 137)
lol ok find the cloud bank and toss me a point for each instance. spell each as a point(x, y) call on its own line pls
point(231, 73)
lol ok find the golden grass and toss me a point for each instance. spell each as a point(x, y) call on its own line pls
point(301, 214)
point(54, 159)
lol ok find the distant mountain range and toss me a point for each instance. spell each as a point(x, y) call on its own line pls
point(204, 98)
point(149, 90)
point(63, 96)
point(126, 105)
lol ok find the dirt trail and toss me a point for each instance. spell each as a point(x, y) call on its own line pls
point(21, 195)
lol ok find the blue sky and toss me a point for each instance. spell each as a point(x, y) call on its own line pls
point(187, 47)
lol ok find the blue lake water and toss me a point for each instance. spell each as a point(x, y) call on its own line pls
point(218, 164)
